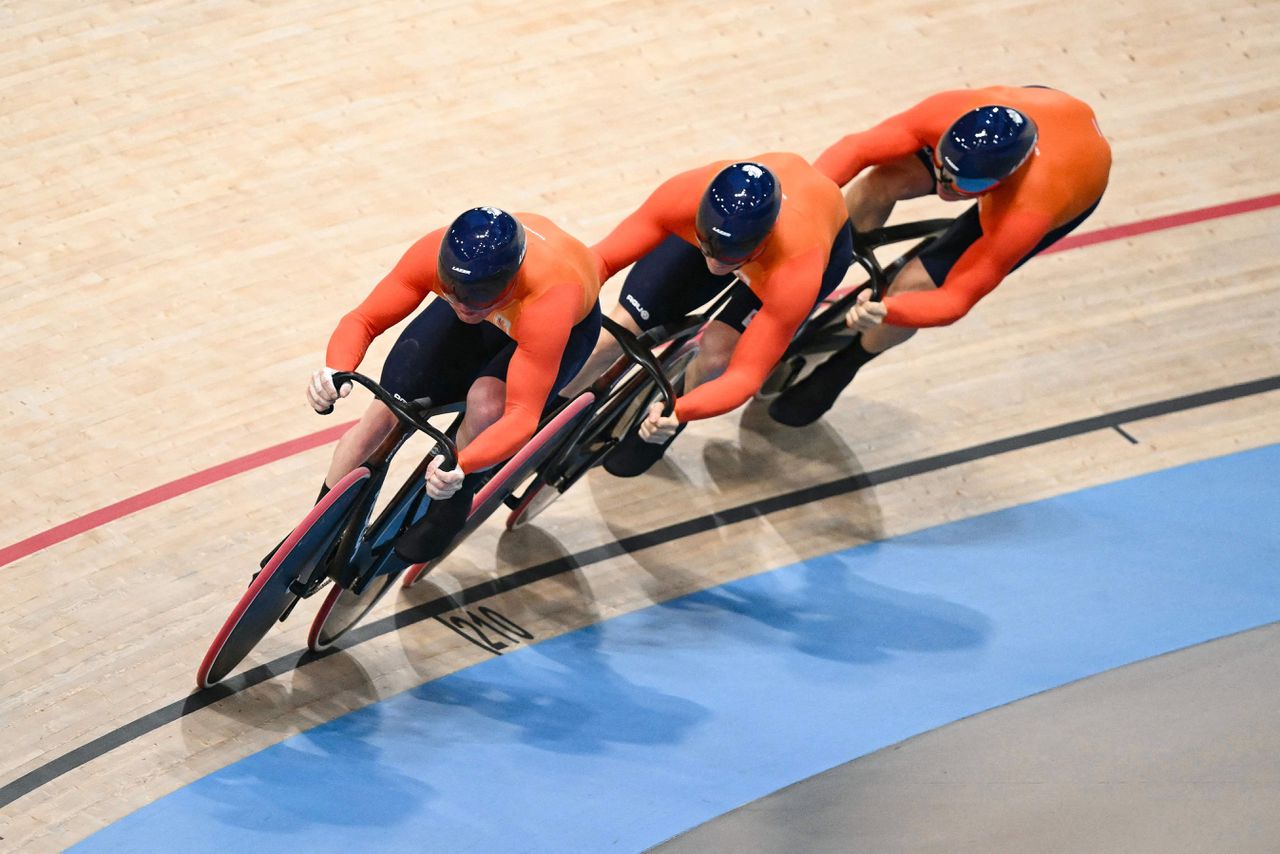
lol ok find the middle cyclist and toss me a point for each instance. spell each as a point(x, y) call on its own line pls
point(777, 225)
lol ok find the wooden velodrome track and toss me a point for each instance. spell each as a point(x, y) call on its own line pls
point(194, 193)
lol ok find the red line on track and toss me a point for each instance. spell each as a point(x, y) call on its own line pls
point(172, 489)
point(192, 482)
point(1160, 223)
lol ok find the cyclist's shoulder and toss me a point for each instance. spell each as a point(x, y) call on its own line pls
point(783, 161)
point(541, 231)
point(421, 255)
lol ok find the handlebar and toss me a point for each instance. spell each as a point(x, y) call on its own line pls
point(865, 243)
point(829, 323)
point(643, 357)
point(401, 408)
point(878, 237)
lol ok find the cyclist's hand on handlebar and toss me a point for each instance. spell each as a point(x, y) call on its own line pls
point(865, 314)
point(321, 394)
point(656, 427)
point(442, 484)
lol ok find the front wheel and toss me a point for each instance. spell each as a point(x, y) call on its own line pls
point(275, 588)
point(781, 378)
point(343, 609)
point(537, 497)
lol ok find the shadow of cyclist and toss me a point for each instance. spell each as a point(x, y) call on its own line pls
point(321, 688)
point(563, 696)
point(559, 692)
point(288, 788)
point(825, 609)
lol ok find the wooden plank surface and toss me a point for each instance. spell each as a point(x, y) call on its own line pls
point(194, 194)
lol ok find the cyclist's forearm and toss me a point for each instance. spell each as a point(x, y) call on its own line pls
point(499, 441)
point(349, 342)
point(723, 394)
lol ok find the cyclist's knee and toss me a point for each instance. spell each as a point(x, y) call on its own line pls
point(606, 343)
point(882, 186)
point(376, 422)
point(623, 318)
point(486, 401)
point(912, 277)
point(715, 351)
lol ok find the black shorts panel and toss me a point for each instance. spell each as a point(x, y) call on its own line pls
point(438, 356)
point(673, 280)
point(943, 253)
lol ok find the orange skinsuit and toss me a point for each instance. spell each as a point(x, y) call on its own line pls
point(786, 275)
point(1066, 174)
point(556, 287)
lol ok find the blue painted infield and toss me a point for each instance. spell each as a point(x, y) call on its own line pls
point(621, 735)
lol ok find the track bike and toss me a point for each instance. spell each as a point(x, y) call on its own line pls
point(599, 415)
point(619, 402)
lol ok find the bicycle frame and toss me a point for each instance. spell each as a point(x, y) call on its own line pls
point(829, 322)
point(615, 409)
point(597, 433)
point(343, 567)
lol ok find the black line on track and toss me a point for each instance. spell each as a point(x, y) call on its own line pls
point(152, 721)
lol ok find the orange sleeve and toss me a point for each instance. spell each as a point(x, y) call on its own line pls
point(793, 289)
point(895, 137)
point(982, 266)
point(391, 301)
point(675, 201)
point(541, 333)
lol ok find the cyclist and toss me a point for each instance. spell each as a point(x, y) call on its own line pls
point(517, 319)
point(777, 226)
point(1034, 160)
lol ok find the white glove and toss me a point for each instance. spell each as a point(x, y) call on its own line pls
point(442, 484)
point(321, 394)
point(865, 315)
point(656, 427)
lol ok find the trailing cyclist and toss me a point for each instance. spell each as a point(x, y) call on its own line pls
point(1034, 160)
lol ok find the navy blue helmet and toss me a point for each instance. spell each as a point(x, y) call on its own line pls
point(983, 147)
point(479, 257)
point(737, 212)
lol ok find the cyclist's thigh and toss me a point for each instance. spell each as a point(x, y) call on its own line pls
point(838, 261)
point(1058, 233)
point(437, 356)
point(907, 177)
point(582, 340)
point(946, 250)
point(743, 302)
point(668, 283)
point(740, 308)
